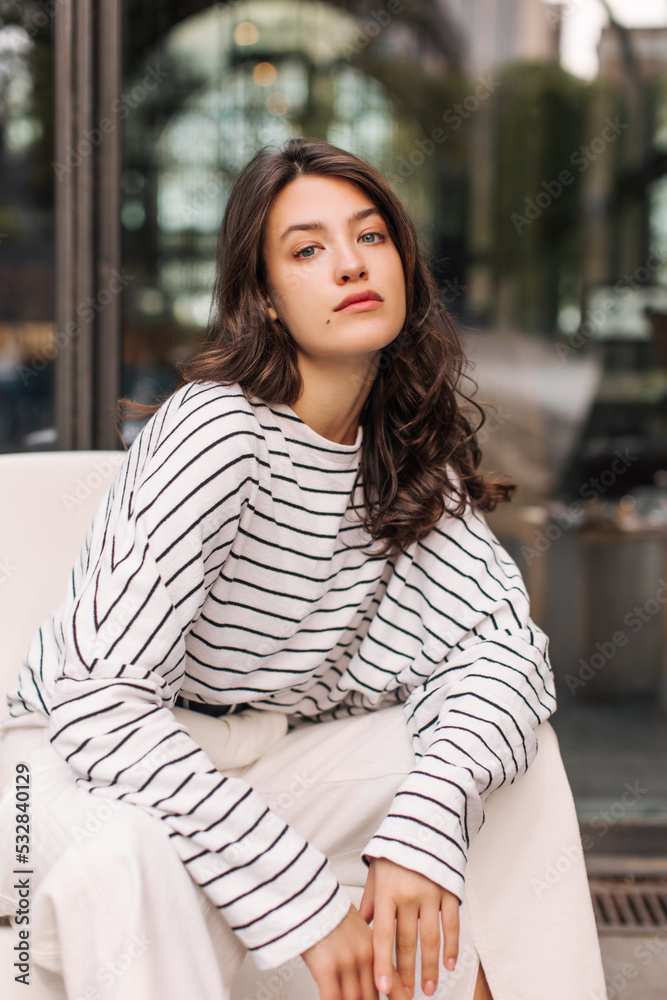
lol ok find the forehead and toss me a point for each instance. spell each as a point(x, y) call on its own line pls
point(330, 199)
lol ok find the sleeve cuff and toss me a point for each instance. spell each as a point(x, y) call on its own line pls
point(305, 934)
point(417, 861)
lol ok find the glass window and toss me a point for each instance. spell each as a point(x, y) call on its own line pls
point(27, 330)
point(527, 140)
point(233, 78)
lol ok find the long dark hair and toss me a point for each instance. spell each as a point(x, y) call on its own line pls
point(420, 453)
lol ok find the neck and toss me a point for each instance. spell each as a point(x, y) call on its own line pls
point(333, 395)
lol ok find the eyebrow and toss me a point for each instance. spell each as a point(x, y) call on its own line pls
point(363, 213)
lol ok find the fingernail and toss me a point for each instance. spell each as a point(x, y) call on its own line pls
point(429, 987)
point(451, 962)
point(383, 984)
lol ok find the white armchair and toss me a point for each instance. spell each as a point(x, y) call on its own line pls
point(46, 504)
point(47, 501)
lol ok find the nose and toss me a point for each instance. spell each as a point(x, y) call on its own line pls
point(349, 265)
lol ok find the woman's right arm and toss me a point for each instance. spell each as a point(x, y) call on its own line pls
point(169, 525)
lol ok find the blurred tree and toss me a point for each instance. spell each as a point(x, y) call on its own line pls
point(539, 119)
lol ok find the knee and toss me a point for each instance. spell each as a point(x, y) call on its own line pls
point(548, 755)
point(113, 845)
point(546, 734)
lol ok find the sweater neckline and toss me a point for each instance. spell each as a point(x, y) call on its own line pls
point(297, 430)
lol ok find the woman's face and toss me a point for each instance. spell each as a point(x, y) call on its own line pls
point(326, 241)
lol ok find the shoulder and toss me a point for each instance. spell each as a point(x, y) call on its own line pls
point(462, 528)
point(202, 416)
point(203, 441)
point(464, 540)
point(202, 404)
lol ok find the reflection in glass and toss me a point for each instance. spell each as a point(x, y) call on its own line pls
point(239, 78)
point(541, 197)
point(27, 346)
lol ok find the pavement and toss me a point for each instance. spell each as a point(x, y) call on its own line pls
point(635, 967)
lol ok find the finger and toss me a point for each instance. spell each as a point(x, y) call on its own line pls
point(406, 945)
point(328, 984)
point(429, 936)
point(364, 962)
point(350, 985)
point(368, 990)
point(384, 925)
point(450, 927)
point(366, 906)
point(397, 990)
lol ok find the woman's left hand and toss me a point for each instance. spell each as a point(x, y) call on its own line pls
point(406, 903)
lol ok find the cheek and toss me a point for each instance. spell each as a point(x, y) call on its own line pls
point(282, 292)
point(292, 290)
point(399, 285)
point(398, 275)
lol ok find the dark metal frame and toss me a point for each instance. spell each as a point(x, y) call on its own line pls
point(87, 212)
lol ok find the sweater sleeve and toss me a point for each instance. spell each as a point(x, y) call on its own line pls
point(169, 523)
point(472, 721)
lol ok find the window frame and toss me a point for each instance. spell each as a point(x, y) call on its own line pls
point(87, 40)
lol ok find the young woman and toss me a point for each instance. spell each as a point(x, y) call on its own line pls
point(296, 540)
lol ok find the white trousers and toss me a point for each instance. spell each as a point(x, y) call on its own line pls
point(116, 915)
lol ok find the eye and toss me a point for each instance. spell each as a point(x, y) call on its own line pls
point(381, 237)
point(305, 253)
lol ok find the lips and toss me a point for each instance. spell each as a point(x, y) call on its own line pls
point(366, 296)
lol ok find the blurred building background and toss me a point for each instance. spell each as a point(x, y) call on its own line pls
point(529, 140)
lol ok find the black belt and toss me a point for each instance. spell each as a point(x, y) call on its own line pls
point(215, 710)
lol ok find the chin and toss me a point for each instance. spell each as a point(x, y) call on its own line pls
point(375, 339)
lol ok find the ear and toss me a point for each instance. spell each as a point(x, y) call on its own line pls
point(272, 312)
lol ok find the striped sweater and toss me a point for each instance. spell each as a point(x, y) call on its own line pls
point(226, 564)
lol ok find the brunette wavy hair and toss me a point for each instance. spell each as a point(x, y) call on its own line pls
point(420, 453)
